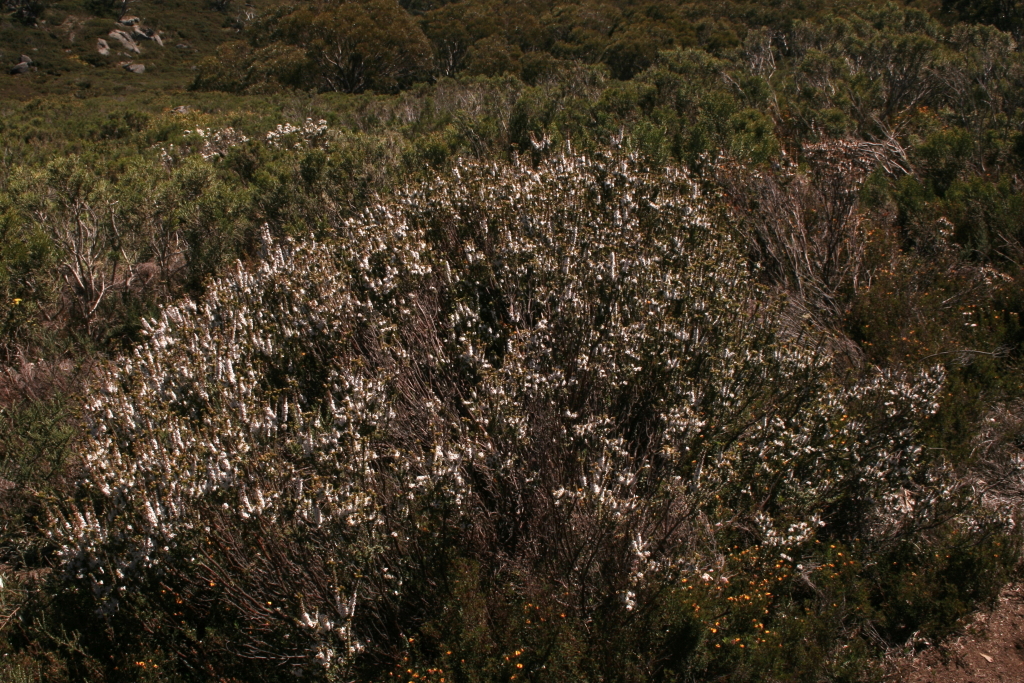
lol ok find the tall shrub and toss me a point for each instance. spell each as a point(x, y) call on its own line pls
point(563, 379)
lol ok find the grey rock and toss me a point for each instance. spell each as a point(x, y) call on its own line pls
point(130, 21)
point(125, 40)
point(27, 59)
point(102, 47)
point(140, 33)
point(183, 109)
point(19, 68)
point(135, 68)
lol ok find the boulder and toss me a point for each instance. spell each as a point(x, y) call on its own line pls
point(20, 68)
point(125, 40)
point(130, 21)
point(140, 33)
point(103, 47)
point(27, 60)
point(183, 109)
point(135, 68)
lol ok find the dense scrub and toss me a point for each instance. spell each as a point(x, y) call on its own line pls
point(842, 223)
point(594, 413)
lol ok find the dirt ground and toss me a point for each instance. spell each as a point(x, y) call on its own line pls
point(991, 649)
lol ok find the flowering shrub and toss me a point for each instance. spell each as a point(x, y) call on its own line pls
point(212, 143)
point(310, 134)
point(559, 383)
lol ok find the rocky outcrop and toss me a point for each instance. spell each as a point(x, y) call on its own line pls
point(23, 66)
point(125, 40)
point(140, 33)
point(135, 68)
point(103, 47)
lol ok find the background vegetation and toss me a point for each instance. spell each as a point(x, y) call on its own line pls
point(865, 158)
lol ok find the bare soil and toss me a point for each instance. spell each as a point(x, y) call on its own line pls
point(990, 650)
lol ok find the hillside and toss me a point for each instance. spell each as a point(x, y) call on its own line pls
point(67, 61)
point(493, 340)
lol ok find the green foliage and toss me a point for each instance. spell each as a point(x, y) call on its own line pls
point(25, 11)
point(943, 156)
point(987, 217)
point(1007, 15)
point(110, 8)
point(867, 156)
point(350, 47)
point(509, 328)
point(752, 136)
point(493, 56)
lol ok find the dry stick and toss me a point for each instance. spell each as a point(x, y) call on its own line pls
point(998, 353)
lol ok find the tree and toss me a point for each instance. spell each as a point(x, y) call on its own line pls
point(454, 28)
point(372, 44)
point(1006, 15)
point(96, 256)
point(493, 56)
point(25, 11)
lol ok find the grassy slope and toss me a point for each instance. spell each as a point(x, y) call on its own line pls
point(63, 47)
